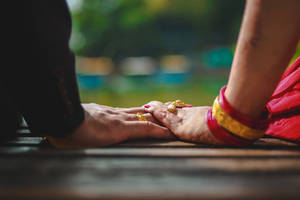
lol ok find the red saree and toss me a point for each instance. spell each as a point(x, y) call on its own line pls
point(284, 106)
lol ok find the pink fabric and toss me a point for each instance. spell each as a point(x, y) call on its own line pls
point(284, 105)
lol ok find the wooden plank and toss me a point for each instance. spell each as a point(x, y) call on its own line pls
point(30, 146)
point(145, 178)
point(165, 188)
point(269, 143)
point(24, 141)
point(162, 165)
point(152, 152)
point(150, 169)
point(263, 142)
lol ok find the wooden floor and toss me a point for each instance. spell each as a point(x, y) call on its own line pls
point(270, 169)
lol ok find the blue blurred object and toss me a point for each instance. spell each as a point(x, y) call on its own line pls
point(92, 72)
point(171, 78)
point(174, 69)
point(217, 58)
point(91, 81)
point(136, 74)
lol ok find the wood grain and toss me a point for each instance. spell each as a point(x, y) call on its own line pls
point(270, 169)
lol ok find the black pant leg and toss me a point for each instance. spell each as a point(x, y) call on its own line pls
point(40, 74)
point(10, 117)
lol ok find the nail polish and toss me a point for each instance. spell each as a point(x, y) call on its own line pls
point(188, 105)
point(147, 106)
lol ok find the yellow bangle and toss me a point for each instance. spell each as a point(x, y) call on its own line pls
point(232, 125)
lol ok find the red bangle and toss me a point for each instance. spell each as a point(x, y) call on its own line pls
point(253, 123)
point(223, 135)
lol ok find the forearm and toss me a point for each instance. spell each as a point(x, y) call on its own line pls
point(268, 38)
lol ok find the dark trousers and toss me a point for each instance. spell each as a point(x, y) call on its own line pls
point(38, 78)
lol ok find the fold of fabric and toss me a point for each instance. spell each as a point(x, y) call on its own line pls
point(284, 106)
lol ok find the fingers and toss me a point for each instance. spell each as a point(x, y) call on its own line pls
point(147, 129)
point(133, 117)
point(132, 110)
point(158, 109)
point(168, 103)
point(131, 113)
point(161, 113)
point(112, 110)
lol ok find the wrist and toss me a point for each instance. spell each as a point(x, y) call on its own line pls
point(83, 127)
point(231, 126)
point(212, 139)
point(69, 141)
point(243, 103)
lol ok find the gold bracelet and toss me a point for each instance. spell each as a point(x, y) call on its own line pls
point(230, 124)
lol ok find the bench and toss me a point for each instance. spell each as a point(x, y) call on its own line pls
point(150, 169)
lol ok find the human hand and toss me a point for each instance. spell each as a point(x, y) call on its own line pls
point(187, 123)
point(104, 125)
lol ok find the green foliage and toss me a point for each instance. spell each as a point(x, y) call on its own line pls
point(197, 92)
point(121, 28)
point(296, 55)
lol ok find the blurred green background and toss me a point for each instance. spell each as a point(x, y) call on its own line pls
point(130, 52)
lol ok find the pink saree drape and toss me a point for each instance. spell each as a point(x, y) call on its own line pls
point(284, 105)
